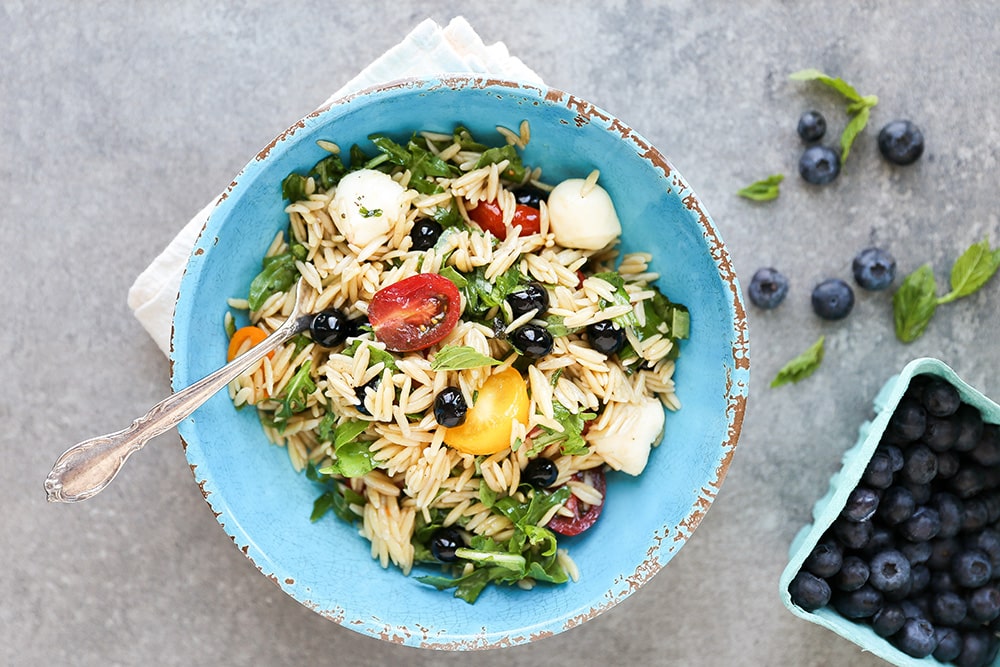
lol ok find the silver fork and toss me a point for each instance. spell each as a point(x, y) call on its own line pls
point(86, 468)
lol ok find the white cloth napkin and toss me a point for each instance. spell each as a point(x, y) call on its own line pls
point(428, 50)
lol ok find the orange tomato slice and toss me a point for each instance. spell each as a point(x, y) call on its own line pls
point(241, 336)
point(502, 400)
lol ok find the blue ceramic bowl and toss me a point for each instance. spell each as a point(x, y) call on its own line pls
point(264, 505)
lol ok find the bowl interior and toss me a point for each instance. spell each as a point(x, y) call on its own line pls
point(264, 506)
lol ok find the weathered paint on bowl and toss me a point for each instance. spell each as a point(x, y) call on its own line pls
point(264, 506)
point(828, 508)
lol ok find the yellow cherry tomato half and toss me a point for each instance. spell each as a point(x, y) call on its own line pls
point(502, 400)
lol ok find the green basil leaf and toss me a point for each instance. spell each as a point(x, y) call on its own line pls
point(838, 84)
point(278, 275)
point(801, 366)
point(515, 171)
point(972, 269)
point(297, 392)
point(851, 131)
point(914, 303)
point(763, 190)
point(293, 188)
point(348, 432)
point(460, 357)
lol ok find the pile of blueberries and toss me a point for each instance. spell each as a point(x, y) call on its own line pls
point(900, 142)
point(915, 552)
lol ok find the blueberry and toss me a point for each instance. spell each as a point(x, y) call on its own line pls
point(949, 644)
point(970, 427)
point(921, 492)
point(895, 454)
point(809, 591)
point(861, 504)
point(874, 269)
point(923, 525)
point(908, 420)
point(968, 481)
point(940, 434)
point(425, 234)
point(916, 638)
point(532, 341)
point(881, 538)
point(971, 568)
point(819, 165)
point(825, 559)
point(888, 620)
point(529, 195)
point(768, 288)
point(532, 296)
point(812, 126)
point(889, 571)
point(987, 450)
point(450, 407)
point(975, 515)
point(362, 393)
point(853, 534)
point(948, 608)
point(606, 337)
point(984, 604)
point(916, 552)
point(975, 650)
point(832, 299)
point(897, 505)
point(878, 472)
point(921, 464)
point(329, 328)
point(444, 542)
point(940, 398)
point(862, 603)
point(951, 510)
point(948, 465)
point(901, 142)
point(540, 473)
point(987, 541)
point(941, 580)
point(943, 549)
point(920, 578)
point(853, 574)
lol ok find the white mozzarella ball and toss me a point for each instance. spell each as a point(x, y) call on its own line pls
point(626, 444)
point(367, 205)
point(582, 218)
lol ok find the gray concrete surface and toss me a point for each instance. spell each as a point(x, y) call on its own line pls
point(119, 120)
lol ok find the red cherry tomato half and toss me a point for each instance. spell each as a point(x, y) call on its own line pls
point(584, 515)
point(415, 313)
point(490, 218)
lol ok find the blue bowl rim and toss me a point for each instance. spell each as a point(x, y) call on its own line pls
point(737, 371)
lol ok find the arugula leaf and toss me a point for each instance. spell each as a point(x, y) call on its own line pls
point(914, 303)
point(801, 366)
point(665, 317)
point(353, 456)
point(464, 138)
point(571, 436)
point(375, 354)
point(460, 357)
point(279, 273)
point(972, 270)
point(859, 106)
point(621, 298)
point(481, 295)
point(328, 171)
point(763, 190)
point(454, 275)
point(297, 392)
point(293, 188)
point(515, 171)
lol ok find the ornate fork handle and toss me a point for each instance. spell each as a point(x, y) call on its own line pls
point(85, 469)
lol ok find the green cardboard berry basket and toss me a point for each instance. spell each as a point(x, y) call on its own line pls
point(828, 508)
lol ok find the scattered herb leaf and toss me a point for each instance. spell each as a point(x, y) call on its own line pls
point(801, 366)
point(972, 270)
point(763, 190)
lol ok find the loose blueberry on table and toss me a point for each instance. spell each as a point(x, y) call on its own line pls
point(812, 126)
point(901, 142)
point(768, 288)
point(832, 299)
point(874, 269)
point(915, 553)
point(819, 165)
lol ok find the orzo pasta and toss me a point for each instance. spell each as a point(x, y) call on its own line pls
point(481, 355)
